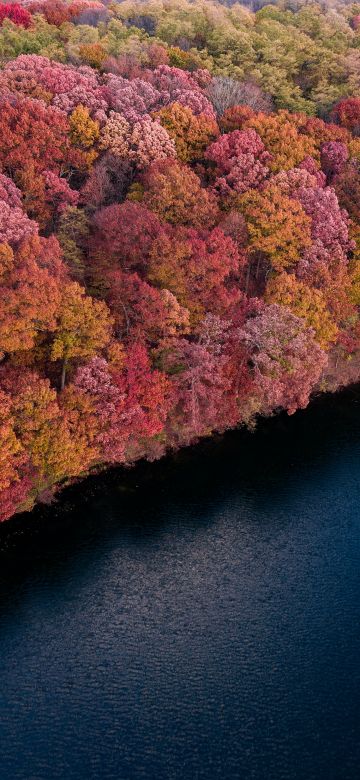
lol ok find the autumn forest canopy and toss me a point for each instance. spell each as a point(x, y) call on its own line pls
point(179, 225)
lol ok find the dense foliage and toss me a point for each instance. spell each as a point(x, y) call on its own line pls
point(179, 225)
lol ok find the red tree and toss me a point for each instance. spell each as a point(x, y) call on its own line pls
point(347, 114)
point(15, 13)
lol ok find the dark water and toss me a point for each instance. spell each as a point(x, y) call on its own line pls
point(197, 618)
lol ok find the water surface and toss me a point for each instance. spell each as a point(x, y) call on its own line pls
point(192, 619)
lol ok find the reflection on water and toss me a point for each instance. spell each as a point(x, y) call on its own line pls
point(194, 618)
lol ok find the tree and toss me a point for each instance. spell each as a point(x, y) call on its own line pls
point(191, 134)
point(287, 361)
point(225, 93)
point(55, 12)
point(73, 233)
point(84, 132)
point(347, 114)
point(329, 223)
point(235, 117)
point(14, 224)
point(281, 138)
point(174, 193)
point(177, 86)
point(32, 184)
point(95, 406)
point(39, 36)
point(241, 160)
point(199, 385)
point(93, 54)
point(308, 164)
point(294, 181)
point(211, 380)
point(323, 132)
point(125, 233)
point(186, 60)
point(34, 133)
point(278, 226)
point(305, 302)
point(6, 261)
point(9, 192)
point(234, 225)
point(201, 271)
point(65, 85)
point(132, 99)
point(42, 428)
point(83, 327)
point(18, 496)
point(108, 182)
point(115, 135)
point(149, 142)
point(30, 296)
point(144, 313)
point(327, 270)
point(11, 451)
point(145, 396)
point(15, 13)
point(58, 196)
point(347, 188)
point(333, 155)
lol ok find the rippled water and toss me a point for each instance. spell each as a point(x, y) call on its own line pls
point(195, 618)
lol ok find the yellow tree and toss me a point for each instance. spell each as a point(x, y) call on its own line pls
point(277, 225)
point(93, 54)
point(10, 447)
point(84, 133)
point(174, 192)
point(305, 302)
point(42, 429)
point(281, 138)
point(84, 327)
point(192, 134)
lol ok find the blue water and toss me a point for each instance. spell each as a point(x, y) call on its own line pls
point(195, 618)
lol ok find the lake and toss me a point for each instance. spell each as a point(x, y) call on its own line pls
point(196, 618)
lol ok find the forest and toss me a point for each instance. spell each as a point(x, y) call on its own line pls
point(179, 225)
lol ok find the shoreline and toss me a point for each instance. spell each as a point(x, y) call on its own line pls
point(143, 475)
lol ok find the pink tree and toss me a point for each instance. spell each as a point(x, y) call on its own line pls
point(58, 193)
point(132, 99)
point(334, 155)
point(129, 405)
point(14, 224)
point(9, 193)
point(149, 142)
point(241, 160)
point(287, 361)
point(179, 86)
point(199, 385)
point(66, 85)
point(146, 394)
point(309, 164)
point(291, 182)
point(330, 223)
point(168, 80)
point(105, 421)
